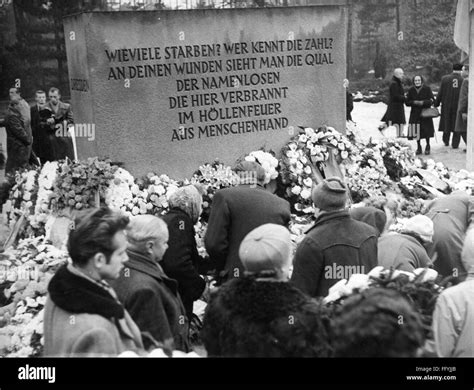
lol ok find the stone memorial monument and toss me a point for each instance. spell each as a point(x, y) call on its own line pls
point(166, 91)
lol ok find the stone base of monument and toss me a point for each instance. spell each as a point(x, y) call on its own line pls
point(58, 228)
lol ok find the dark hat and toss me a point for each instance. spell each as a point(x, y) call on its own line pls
point(457, 66)
point(330, 194)
point(254, 169)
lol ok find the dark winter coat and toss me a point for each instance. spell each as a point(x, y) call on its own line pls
point(451, 216)
point(42, 135)
point(448, 97)
point(181, 259)
point(349, 105)
point(334, 241)
point(422, 126)
point(236, 212)
point(153, 301)
point(461, 124)
point(402, 252)
point(19, 140)
point(249, 318)
point(395, 113)
point(62, 146)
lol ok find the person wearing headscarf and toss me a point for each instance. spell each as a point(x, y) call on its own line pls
point(260, 314)
point(238, 210)
point(453, 317)
point(181, 260)
point(406, 251)
point(419, 97)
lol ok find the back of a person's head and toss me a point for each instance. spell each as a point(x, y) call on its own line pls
point(145, 227)
point(377, 322)
point(92, 232)
point(371, 216)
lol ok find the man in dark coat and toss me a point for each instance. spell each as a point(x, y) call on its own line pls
point(41, 130)
point(461, 118)
point(452, 215)
point(151, 298)
point(62, 146)
point(448, 97)
point(19, 139)
point(238, 210)
point(336, 246)
point(395, 114)
point(182, 261)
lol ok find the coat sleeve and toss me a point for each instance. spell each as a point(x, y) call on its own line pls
point(217, 235)
point(395, 94)
point(68, 115)
point(95, 342)
point(463, 96)
point(410, 98)
point(429, 98)
point(17, 130)
point(307, 267)
point(444, 327)
point(146, 308)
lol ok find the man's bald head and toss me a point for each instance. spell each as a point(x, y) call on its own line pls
point(398, 73)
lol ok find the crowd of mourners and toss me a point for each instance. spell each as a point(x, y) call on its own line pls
point(131, 283)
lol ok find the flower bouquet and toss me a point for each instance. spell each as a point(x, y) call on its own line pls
point(308, 157)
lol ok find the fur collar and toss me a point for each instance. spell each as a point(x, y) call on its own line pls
point(75, 294)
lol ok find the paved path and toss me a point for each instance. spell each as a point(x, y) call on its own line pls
point(367, 116)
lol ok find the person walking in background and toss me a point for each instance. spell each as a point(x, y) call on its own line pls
point(19, 138)
point(461, 117)
point(448, 98)
point(349, 101)
point(419, 97)
point(395, 114)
